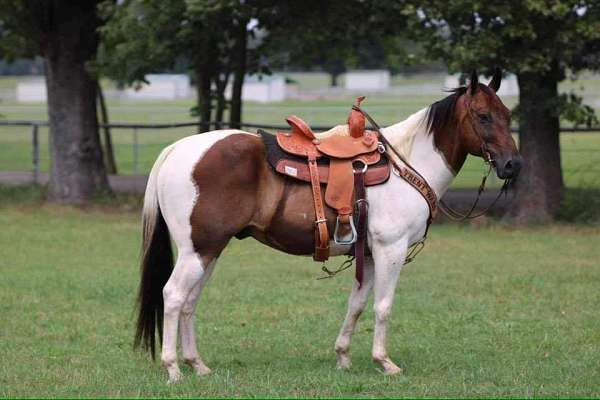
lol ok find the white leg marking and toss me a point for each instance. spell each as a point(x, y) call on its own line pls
point(186, 325)
point(356, 304)
point(388, 263)
point(187, 273)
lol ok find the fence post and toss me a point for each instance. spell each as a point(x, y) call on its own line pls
point(135, 150)
point(36, 152)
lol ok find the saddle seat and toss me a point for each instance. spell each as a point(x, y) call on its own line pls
point(348, 150)
point(338, 130)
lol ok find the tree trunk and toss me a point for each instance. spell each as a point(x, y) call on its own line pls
point(221, 102)
point(203, 79)
point(77, 171)
point(334, 79)
point(540, 184)
point(239, 72)
point(109, 155)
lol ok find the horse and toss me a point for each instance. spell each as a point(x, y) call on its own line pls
point(207, 188)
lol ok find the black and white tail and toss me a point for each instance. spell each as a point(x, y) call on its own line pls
point(156, 265)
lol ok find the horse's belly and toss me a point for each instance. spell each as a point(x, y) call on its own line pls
point(292, 226)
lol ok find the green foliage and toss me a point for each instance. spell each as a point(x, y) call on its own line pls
point(581, 205)
point(549, 38)
point(19, 28)
point(140, 37)
point(144, 36)
point(334, 36)
point(572, 109)
point(524, 36)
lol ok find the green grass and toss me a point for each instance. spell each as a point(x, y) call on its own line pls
point(482, 312)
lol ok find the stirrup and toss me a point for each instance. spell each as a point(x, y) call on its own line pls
point(353, 238)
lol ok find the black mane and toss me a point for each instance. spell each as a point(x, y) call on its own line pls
point(440, 113)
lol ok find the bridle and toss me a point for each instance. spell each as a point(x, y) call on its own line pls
point(490, 162)
point(410, 173)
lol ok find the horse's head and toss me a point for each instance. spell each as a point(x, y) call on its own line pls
point(473, 120)
point(484, 126)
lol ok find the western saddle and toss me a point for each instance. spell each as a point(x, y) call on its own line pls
point(340, 158)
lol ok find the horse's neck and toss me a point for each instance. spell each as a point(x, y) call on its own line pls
point(411, 138)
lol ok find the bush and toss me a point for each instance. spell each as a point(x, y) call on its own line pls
point(581, 206)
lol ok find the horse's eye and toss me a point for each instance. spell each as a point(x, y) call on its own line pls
point(485, 118)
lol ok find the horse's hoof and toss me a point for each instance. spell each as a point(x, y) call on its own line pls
point(203, 370)
point(174, 377)
point(392, 370)
point(344, 362)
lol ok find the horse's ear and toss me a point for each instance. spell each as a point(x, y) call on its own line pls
point(496, 80)
point(474, 83)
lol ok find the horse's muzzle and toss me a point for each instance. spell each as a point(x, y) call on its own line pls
point(508, 167)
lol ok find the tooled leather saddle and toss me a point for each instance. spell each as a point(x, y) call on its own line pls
point(345, 159)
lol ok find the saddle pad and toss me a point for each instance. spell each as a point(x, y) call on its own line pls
point(297, 167)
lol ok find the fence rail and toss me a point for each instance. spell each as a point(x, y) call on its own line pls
point(136, 127)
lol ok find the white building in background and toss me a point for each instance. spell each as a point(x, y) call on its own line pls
point(162, 87)
point(264, 89)
point(508, 87)
point(370, 80)
point(31, 91)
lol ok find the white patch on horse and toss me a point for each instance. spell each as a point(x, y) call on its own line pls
point(172, 183)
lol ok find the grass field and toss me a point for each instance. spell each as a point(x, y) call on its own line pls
point(482, 312)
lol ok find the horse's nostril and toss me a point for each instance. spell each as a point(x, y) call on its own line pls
point(508, 166)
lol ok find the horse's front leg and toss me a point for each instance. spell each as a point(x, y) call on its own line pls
point(389, 259)
point(356, 304)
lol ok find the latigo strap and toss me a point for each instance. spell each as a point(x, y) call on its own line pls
point(321, 233)
point(361, 225)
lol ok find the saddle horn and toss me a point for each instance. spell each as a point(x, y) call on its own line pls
point(356, 120)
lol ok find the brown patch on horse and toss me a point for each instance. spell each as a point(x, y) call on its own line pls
point(227, 179)
point(240, 195)
point(453, 121)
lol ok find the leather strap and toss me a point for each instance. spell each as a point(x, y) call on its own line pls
point(361, 225)
point(409, 174)
point(421, 185)
point(321, 233)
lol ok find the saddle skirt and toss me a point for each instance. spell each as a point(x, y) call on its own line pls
point(295, 167)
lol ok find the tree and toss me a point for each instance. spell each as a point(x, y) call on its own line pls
point(63, 32)
point(332, 36)
point(144, 36)
point(541, 41)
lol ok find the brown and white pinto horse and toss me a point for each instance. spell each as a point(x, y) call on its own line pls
point(205, 189)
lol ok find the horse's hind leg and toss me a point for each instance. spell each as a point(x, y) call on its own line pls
point(187, 327)
point(356, 304)
point(187, 274)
